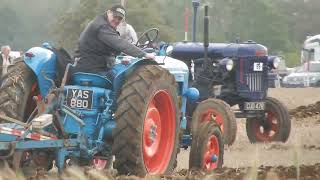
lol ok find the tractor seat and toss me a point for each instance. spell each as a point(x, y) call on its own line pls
point(92, 80)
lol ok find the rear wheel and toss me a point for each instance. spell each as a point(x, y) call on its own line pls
point(18, 88)
point(147, 130)
point(17, 91)
point(275, 127)
point(219, 112)
point(207, 149)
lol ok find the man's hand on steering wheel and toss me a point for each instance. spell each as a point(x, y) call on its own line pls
point(150, 41)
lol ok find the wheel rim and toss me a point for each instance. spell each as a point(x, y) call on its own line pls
point(159, 133)
point(213, 115)
point(99, 164)
point(267, 131)
point(211, 154)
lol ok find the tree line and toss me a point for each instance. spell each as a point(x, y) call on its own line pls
point(281, 25)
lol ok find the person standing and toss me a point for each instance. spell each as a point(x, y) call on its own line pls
point(5, 60)
point(127, 32)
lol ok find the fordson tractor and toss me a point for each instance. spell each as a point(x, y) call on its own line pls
point(236, 74)
point(136, 118)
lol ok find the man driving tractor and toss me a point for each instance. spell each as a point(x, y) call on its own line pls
point(100, 42)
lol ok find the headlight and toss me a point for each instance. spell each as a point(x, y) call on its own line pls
point(226, 64)
point(229, 65)
point(276, 63)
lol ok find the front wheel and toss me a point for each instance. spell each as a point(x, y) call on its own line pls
point(219, 112)
point(275, 127)
point(207, 148)
point(147, 117)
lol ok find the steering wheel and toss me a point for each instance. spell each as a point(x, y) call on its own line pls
point(151, 39)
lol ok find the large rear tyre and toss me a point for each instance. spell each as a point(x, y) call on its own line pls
point(276, 126)
point(207, 149)
point(146, 137)
point(18, 88)
point(220, 112)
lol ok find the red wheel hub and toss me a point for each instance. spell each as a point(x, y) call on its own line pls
point(213, 115)
point(266, 131)
point(159, 133)
point(152, 131)
point(211, 154)
point(99, 164)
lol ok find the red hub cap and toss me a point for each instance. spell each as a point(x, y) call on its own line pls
point(211, 154)
point(159, 133)
point(213, 115)
point(99, 164)
point(266, 131)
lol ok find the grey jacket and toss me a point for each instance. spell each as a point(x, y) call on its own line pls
point(98, 45)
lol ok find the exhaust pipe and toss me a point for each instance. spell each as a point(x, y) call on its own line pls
point(196, 4)
point(206, 35)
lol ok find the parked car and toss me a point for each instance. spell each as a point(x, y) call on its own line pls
point(305, 75)
point(275, 76)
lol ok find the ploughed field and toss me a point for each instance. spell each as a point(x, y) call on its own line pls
point(299, 156)
point(277, 159)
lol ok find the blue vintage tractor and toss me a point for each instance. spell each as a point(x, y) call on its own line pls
point(137, 118)
point(236, 74)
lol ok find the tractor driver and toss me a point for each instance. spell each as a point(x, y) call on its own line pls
point(100, 42)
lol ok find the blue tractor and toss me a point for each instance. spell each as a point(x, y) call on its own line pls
point(137, 118)
point(235, 74)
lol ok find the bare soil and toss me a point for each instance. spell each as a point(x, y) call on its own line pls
point(299, 157)
point(302, 148)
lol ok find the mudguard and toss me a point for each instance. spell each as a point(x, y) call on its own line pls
point(122, 71)
point(42, 62)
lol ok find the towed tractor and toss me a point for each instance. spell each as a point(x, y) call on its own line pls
point(235, 74)
point(132, 120)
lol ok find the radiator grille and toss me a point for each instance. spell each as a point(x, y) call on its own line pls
point(255, 82)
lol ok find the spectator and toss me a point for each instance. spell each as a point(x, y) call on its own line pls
point(127, 32)
point(5, 60)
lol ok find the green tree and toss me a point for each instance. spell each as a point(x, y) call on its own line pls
point(68, 27)
point(141, 14)
point(256, 20)
point(281, 25)
point(10, 25)
point(26, 24)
